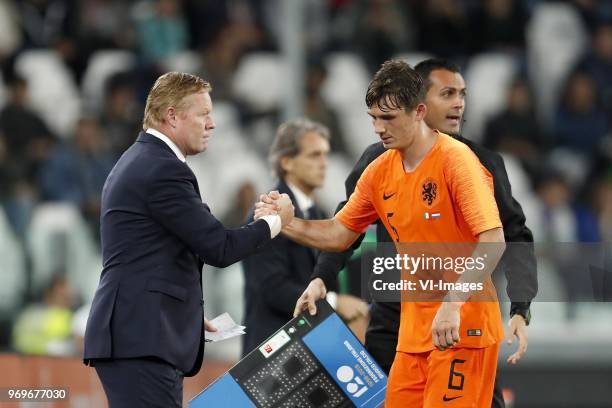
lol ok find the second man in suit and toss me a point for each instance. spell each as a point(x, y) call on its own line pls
point(280, 271)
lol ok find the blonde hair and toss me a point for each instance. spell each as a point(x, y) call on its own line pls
point(169, 90)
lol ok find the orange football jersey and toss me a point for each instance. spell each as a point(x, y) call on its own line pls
point(448, 198)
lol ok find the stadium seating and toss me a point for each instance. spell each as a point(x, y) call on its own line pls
point(102, 65)
point(12, 270)
point(332, 192)
point(259, 81)
point(413, 58)
point(60, 241)
point(224, 292)
point(186, 61)
point(344, 91)
point(53, 91)
point(347, 81)
point(556, 38)
point(488, 77)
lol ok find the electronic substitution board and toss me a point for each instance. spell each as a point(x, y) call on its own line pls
point(311, 362)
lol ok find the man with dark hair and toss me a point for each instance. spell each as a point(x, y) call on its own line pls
point(278, 273)
point(445, 101)
point(434, 337)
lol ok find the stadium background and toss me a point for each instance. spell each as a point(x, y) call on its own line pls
point(73, 82)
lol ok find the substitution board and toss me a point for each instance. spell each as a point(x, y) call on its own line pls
point(311, 362)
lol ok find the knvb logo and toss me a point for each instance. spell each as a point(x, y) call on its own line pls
point(429, 192)
point(354, 384)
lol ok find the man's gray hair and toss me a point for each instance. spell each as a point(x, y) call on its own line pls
point(288, 138)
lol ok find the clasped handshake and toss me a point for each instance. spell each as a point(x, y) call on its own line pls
point(275, 203)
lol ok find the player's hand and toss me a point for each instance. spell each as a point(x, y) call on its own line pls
point(518, 329)
point(445, 326)
point(208, 326)
point(351, 307)
point(314, 291)
point(267, 205)
point(274, 203)
point(286, 209)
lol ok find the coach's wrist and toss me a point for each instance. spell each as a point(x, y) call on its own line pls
point(525, 314)
point(521, 309)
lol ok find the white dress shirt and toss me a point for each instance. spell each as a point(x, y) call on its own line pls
point(302, 201)
point(167, 141)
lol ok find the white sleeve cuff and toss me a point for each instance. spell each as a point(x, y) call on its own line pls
point(332, 299)
point(274, 222)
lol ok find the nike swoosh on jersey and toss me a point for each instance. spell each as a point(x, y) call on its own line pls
point(386, 197)
point(446, 399)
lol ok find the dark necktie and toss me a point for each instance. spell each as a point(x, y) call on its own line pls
point(308, 213)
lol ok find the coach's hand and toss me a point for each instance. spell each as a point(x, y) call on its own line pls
point(208, 326)
point(518, 328)
point(314, 291)
point(275, 203)
point(445, 326)
point(267, 205)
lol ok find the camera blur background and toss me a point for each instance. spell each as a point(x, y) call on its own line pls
point(72, 87)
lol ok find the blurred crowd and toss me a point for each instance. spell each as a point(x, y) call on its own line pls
point(75, 73)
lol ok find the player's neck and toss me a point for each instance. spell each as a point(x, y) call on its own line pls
point(422, 143)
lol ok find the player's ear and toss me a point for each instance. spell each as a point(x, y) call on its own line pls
point(421, 111)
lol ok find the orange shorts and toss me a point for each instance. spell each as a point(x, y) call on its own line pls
point(461, 377)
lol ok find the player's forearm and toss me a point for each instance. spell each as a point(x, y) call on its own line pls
point(489, 250)
point(320, 234)
point(329, 264)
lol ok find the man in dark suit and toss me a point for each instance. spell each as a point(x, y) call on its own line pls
point(445, 105)
point(280, 271)
point(145, 331)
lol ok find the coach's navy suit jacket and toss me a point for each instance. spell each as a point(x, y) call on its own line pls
point(156, 234)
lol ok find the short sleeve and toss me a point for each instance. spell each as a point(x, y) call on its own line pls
point(471, 187)
point(359, 212)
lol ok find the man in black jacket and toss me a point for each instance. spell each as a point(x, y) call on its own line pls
point(445, 102)
point(278, 273)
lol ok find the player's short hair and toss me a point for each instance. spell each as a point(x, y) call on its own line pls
point(395, 85)
point(170, 90)
point(287, 142)
point(424, 68)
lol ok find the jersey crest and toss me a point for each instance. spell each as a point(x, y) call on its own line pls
point(429, 191)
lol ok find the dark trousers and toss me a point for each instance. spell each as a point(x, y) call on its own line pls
point(382, 347)
point(140, 382)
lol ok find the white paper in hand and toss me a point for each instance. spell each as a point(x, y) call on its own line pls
point(226, 328)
